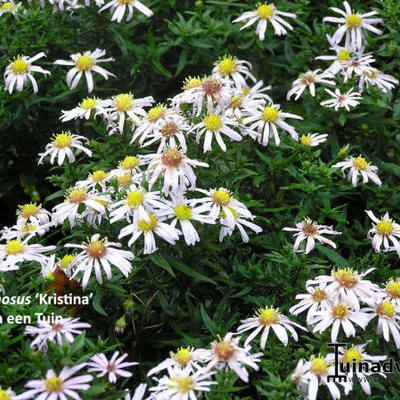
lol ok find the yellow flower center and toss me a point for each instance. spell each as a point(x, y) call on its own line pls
point(386, 309)
point(344, 55)
point(148, 226)
point(130, 162)
point(183, 212)
point(123, 102)
point(360, 163)
point(371, 74)
point(268, 316)
point(84, 63)
point(265, 11)
point(19, 66)
point(27, 228)
point(212, 123)
point(227, 66)
point(4, 395)
point(182, 356)
point(270, 114)
point(191, 83)
point(29, 210)
point(384, 228)
point(62, 140)
point(77, 196)
point(342, 151)
point(125, 180)
point(14, 247)
point(96, 249)
point(125, 1)
point(88, 104)
point(353, 21)
point(7, 7)
point(135, 199)
point(346, 277)
point(169, 129)
point(155, 114)
point(224, 350)
point(185, 385)
point(306, 140)
point(393, 289)
point(236, 101)
point(319, 295)
point(54, 385)
point(66, 260)
point(98, 176)
point(319, 367)
point(171, 158)
point(234, 213)
point(221, 197)
point(340, 311)
point(351, 355)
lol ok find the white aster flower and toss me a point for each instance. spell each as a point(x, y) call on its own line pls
point(118, 8)
point(9, 7)
point(113, 367)
point(212, 126)
point(317, 299)
point(308, 80)
point(23, 230)
point(265, 319)
point(85, 63)
point(351, 359)
point(340, 315)
point(233, 71)
point(339, 100)
point(185, 358)
point(374, 77)
point(95, 179)
point(359, 166)
point(20, 70)
point(263, 14)
point(58, 387)
point(383, 230)
point(33, 213)
point(264, 121)
point(73, 199)
point(353, 24)
point(227, 354)
point(149, 226)
point(347, 286)
point(310, 230)
point(182, 384)
point(298, 376)
point(100, 253)
point(59, 332)
point(175, 168)
point(392, 291)
point(88, 107)
point(61, 146)
point(130, 165)
point(358, 64)
point(14, 252)
point(313, 140)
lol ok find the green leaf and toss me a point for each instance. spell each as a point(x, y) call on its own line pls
point(207, 320)
point(334, 256)
point(162, 262)
point(97, 304)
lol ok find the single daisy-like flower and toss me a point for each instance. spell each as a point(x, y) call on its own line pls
point(182, 384)
point(61, 146)
point(266, 318)
point(9, 7)
point(87, 107)
point(359, 166)
point(352, 24)
point(118, 8)
point(310, 230)
point(374, 77)
point(16, 251)
point(99, 363)
point(308, 80)
point(20, 70)
point(227, 354)
point(383, 230)
point(175, 168)
point(24, 229)
point(58, 387)
point(95, 179)
point(264, 121)
point(392, 291)
point(347, 286)
point(32, 212)
point(184, 357)
point(358, 64)
point(298, 376)
point(148, 226)
point(85, 63)
point(232, 70)
point(59, 332)
point(100, 253)
point(263, 14)
point(212, 126)
point(339, 100)
point(313, 140)
point(130, 165)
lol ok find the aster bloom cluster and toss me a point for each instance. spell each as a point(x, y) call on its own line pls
point(345, 301)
